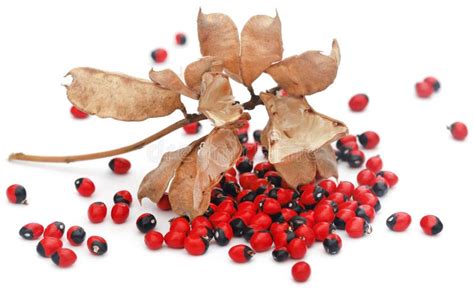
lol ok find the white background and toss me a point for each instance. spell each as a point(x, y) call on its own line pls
point(386, 48)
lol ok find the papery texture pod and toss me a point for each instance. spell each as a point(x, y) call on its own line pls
point(195, 70)
point(168, 79)
point(118, 96)
point(297, 138)
point(218, 36)
point(155, 183)
point(261, 46)
point(217, 101)
point(307, 73)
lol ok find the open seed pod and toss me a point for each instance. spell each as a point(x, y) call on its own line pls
point(191, 172)
point(298, 138)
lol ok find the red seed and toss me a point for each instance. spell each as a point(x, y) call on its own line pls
point(97, 212)
point(329, 185)
point(64, 258)
point(323, 213)
point(374, 164)
point(78, 114)
point(180, 38)
point(179, 224)
point(250, 149)
point(174, 239)
point(390, 177)
point(458, 130)
point(306, 233)
point(431, 225)
point(369, 139)
point(76, 235)
point(159, 55)
point(357, 227)
point(261, 241)
point(97, 245)
point(345, 187)
point(241, 253)
point(322, 230)
point(119, 165)
point(433, 82)
point(123, 196)
point(84, 186)
point(424, 89)
point(366, 177)
point(359, 102)
point(16, 194)
point(192, 128)
point(55, 230)
point(399, 222)
point(120, 212)
point(297, 248)
point(48, 246)
point(196, 245)
point(301, 271)
point(31, 231)
point(164, 203)
point(366, 212)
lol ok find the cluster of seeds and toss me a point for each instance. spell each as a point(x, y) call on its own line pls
point(51, 245)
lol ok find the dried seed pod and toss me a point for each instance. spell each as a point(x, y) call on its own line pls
point(118, 96)
point(168, 79)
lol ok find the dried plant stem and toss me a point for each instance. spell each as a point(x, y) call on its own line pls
point(190, 118)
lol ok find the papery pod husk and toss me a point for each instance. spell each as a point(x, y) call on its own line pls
point(219, 37)
point(168, 79)
point(261, 46)
point(217, 102)
point(118, 96)
point(307, 73)
point(155, 183)
point(195, 70)
point(297, 139)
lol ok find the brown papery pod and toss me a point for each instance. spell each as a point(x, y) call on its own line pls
point(168, 79)
point(295, 134)
point(155, 183)
point(261, 46)
point(118, 96)
point(201, 170)
point(307, 73)
point(217, 101)
point(326, 162)
point(194, 71)
point(218, 36)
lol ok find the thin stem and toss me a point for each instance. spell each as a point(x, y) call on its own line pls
point(190, 118)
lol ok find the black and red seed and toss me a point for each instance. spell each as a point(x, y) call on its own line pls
point(399, 221)
point(146, 222)
point(358, 102)
point(48, 246)
point(369, 139)
point(119, 165)
point(84, 186)
point(16, 194)
point(180, 38)
point(458, 130)
point(97, 245)
point(196, 245)
point(332, 244)
point(280, 254)
point(76, 235)
point(55, 230)
point(241, 253)
point(31, 231)
point(159, 55)
point(123, 196)
point(431, 225)
point(64, 258)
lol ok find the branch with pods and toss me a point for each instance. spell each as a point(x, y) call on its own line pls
point(296, 136)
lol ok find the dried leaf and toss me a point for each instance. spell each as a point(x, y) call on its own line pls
point(168, 79)
point(118, 96)
point(326, 162)
point(155, 183)
point(261, 46)
point(194, 71)
point(216, 101)
point(307, 73)
point(297, 139)
point(218, 153)
point(218, 36)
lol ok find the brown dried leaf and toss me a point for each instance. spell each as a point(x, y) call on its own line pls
point(261, 46)
point(218, 153)
point(216, 101)
point(118, 96)
point(218, 36)
point(168, 79)
point(326, 162)
point(307, 73)
point(194, 71)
